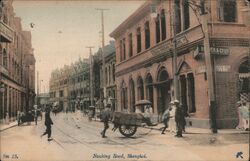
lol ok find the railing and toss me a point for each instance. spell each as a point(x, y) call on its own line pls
point(6, 33)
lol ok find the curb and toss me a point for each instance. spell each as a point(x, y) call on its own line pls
point(8, 128)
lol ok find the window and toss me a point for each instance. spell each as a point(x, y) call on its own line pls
point(227, 10)
point(147, 35)
point(5, 58)
point(186, 14)
point(182, 16)
point(157, 29)
point(124, 48)
point(121, 57)
point(113, 72)
point(138, 40)
point(130, 41)
point(177, 24)
point(61, 93)
point(163, 25)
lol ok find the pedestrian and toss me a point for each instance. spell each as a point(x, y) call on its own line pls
point(179, 119)
point(172, 124)
point(165, 119)
point(18, 118)
point(244, 112)
point(7, 117)
point(48, 123)
point(35, 116)
point(105, 117)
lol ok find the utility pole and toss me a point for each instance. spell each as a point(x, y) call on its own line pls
point(176, 90)
point(103, 57)
point(209, 69)
point(37, 89)
point(91, 76)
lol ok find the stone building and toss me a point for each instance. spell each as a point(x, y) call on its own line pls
point(144, 58)
point(69, 86)
point(17, 64)
point(59, 84)
point(79, 88)
point(110, 61)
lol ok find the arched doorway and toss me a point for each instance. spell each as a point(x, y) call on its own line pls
point(149, 88)
point(140, 87)
point(163, 91)
point(187, 88)
point(132, 95)
point(124, 100)
point(243, 82)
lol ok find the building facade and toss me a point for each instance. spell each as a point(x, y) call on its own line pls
point(58, 88)
point(69, 86)
point(79, 87)
point(110, 85)
point(144, 58)
point(17, 64)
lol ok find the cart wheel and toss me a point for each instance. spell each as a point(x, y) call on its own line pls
point(127, 130)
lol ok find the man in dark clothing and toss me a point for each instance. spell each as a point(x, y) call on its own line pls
point(48, 123)
point(105, 116)
point(179, 119)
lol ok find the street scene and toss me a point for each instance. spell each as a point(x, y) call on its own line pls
point(119, 80)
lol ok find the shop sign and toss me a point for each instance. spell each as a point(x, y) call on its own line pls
point(213, 50)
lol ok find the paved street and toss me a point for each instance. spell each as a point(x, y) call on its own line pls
point(85, 143)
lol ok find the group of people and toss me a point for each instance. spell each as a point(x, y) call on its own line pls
point(174, 118)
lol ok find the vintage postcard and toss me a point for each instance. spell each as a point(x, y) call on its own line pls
point(124, 80)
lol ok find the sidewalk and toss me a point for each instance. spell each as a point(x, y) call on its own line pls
point(4, 126)
point(194, 130)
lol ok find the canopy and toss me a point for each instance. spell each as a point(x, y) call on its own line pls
point(143, 102)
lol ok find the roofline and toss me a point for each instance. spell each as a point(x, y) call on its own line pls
point(138, 13)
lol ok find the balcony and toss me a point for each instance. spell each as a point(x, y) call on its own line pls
point(6, 33)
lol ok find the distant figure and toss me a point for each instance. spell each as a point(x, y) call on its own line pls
point(35, 116)
point(244, 115)
point(172, 124)
point(165, 119)
point(179, 119)
point(7, 117)
point(29, 118)
point(18, 118)
point(105, 117)
point(48, 123)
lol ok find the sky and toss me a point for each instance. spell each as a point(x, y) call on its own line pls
point(63, 29)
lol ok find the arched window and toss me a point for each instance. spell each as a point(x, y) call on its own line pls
point(147, 35)
point(157, 29)
point(163, 25)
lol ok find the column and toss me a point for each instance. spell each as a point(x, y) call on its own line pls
point(155, 95)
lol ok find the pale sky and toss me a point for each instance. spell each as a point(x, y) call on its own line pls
point(63, 29)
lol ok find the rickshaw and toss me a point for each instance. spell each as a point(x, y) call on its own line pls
point(127, 123)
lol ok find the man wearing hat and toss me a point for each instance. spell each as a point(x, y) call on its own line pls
point(48, 123)
point(179, 118)
point(105, 117)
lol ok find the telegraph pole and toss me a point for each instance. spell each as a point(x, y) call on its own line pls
point(103, 57)
point(91, 75)
point(209, 69)
point(37, 90)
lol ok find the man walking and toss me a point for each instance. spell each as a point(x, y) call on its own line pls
point(48, 123)
point(105, 116)
point(165, 119)
point(179, 119)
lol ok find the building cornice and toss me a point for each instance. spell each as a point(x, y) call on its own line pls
point(139, 14)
